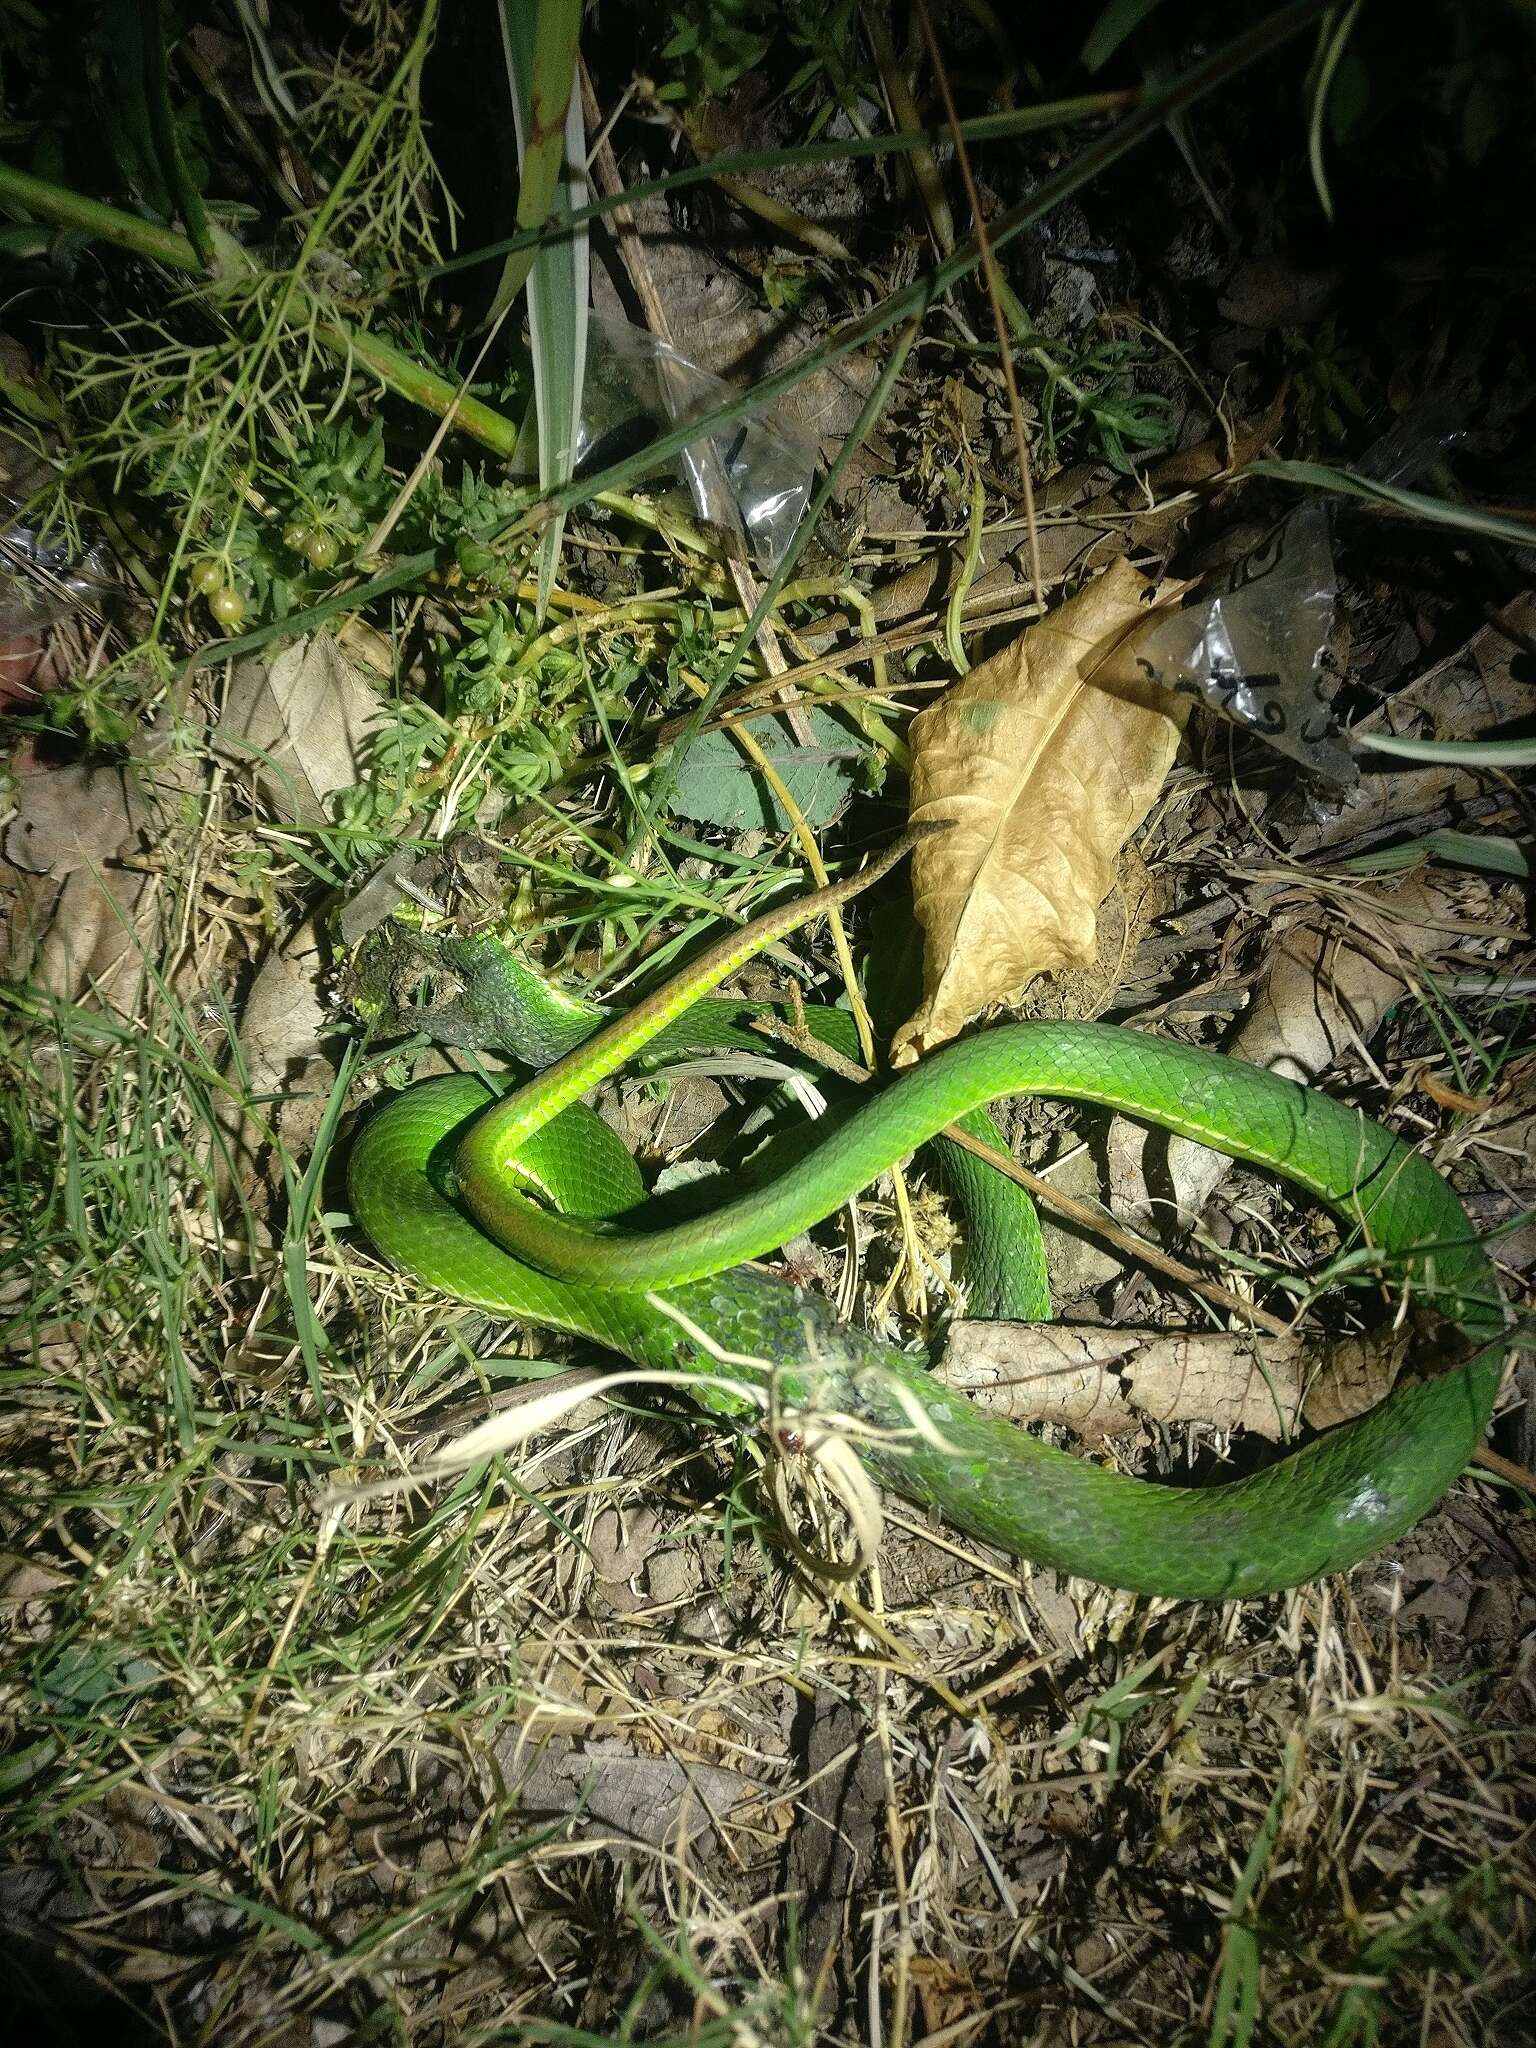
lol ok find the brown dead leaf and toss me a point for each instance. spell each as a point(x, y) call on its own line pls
point(72, 817)
point(954, 2008)
point(1267, 292)
point(606, 1785)
point(1486, 684)
point(1262, 1383)
point(1325, 990)
point(96, 933)
point(288, 1077)
point(1044, 1372)
point(23, 1579)
point(301, 725)
point(1101, 1382)
point(79, 911)
point(1328, 982)
point(619, 1544)
point(1327, 985)
point(1042, 761)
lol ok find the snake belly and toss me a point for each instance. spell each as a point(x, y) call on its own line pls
point(1320, 1509)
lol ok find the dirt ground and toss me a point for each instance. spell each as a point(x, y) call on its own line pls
point(301, 1746)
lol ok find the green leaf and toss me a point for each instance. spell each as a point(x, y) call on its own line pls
point(117, 61)
point(1486, 851)
point(1120, 19)
point(17, 1765)
point(1350, 100)
point(1433, 511)
point(1236, 2003)
point(540, 42)
point(539, 39)
point(82, 1675)
point(1333, 38)
point(717, 785)
point(162, 130)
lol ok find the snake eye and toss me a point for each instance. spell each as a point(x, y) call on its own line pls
point(789, 1440)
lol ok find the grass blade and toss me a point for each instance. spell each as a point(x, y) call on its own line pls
point(1236, 2005)
point(1331, 46)
point(1119, 21)
point(1211, 74)
point(539, 39)
point(540, 43)
point(742, 163)
point(1320, 476)
point(1456, 753)
point(162, 130)
point(1488, 852)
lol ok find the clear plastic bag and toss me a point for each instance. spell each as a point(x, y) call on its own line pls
point(40, 584)
point(1255, 649)
point(1414, 443)
point(41, 581)
point(752, 480)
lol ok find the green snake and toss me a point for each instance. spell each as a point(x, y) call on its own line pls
point(508, 1202)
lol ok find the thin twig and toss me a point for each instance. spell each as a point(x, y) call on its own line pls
point(1506, 1468)
point(995, 299)
point(371, 547)
point(1126, 1241)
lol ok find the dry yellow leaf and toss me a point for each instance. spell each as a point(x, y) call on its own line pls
point(1042, 762)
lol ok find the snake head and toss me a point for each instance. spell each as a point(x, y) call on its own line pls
point(474, 993)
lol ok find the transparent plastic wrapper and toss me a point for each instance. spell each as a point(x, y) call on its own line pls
point(1414, 443)
point(40, 583)
point(752, 480)
point(1254, 648)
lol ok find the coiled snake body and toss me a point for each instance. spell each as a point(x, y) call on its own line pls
point(439, 1181)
